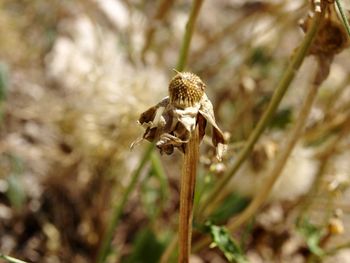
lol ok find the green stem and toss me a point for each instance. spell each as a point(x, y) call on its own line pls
point(162, 10)
point(264, 192)
point(343, 16)
point(275, 173)
point(118, 210)
point(283, 85)
point(160, 173)
point(188, 35)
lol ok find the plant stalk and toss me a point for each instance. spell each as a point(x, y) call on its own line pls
point(280, 90)
point(118, 210)
point(266, 189)
point(263, 194)
point(187, 188)
point(185, 47)
point(343, 16)
point(217, 192)
point(162, 10)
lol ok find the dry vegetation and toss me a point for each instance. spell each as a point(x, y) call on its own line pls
point(76, 75)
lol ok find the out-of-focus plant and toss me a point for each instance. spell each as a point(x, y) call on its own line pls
point(81, 73)
point(3, 87)
point(11, 259)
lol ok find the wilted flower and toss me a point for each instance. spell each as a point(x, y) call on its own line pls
point(330, 40)
point(171, 122)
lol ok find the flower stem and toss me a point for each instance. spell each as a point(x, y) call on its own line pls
point(283, 85)
point(343, 16)
point(118, 210)
point(162, 10)
point(264, 192)
point(280, 162)
point(180, 67)
point(188, 35)
point(187, 188)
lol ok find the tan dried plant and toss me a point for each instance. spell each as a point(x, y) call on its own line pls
point(171, 122)
point(179, 121)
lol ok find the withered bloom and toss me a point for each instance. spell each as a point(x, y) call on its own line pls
point(171, 122)
point(330, 40)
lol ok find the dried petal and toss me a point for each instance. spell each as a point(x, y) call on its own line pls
point(218, 139)
point(171, 122)
point(202, 123)
point(150, 114)
point(152, 120)
point(187, 116)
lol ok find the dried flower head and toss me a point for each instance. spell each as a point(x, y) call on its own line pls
point(331, 38)
point(171, 122)
point(185, 90)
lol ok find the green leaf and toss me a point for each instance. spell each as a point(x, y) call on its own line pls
point(158, 170)
point(232, 205)
point(16, 192)
point(312, 235)
point(281, 119)
point(260, 57)
point(3, 81)
point(223, 240)
point(147, 248)
point(154, 189)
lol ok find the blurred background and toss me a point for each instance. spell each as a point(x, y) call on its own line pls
point(74, 78)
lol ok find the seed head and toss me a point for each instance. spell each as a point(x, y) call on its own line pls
point(185, 89)
point(171, 122)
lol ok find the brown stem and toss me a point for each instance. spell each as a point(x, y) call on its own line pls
point(188, 182)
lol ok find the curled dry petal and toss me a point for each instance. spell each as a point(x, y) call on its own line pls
point(218, 139)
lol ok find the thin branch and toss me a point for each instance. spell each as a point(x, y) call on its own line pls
point(118, 210)
point(217, 192)
point(160, 14)
point(264, 192)
point(262, 195)
point(188, 35)
point(343, 16)
point(288, 76)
